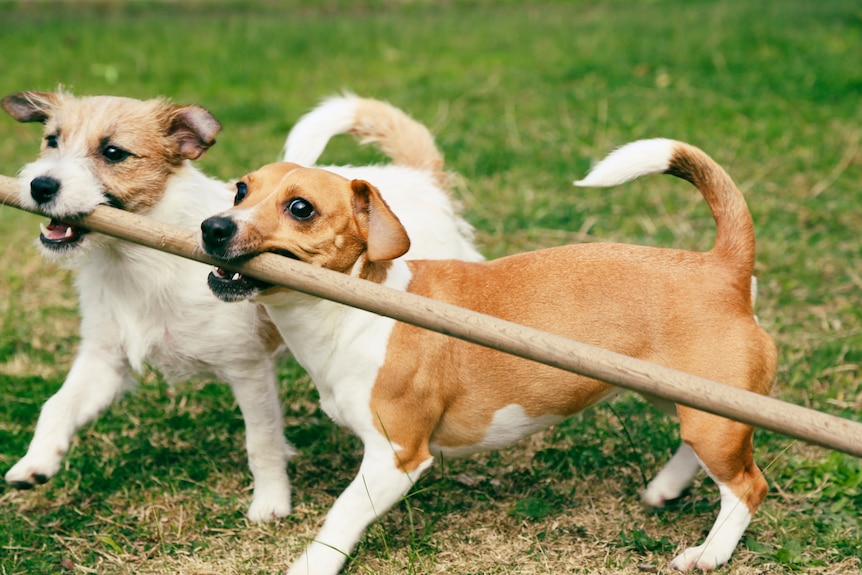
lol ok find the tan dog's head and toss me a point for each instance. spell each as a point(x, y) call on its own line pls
point(307, 214)
point(103, 150)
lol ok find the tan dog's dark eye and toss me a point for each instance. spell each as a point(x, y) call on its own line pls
point(300, 209)
point(241, 192)
point(114, 154)
point(51, 141)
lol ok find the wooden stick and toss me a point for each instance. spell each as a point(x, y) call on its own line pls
point(641, 376)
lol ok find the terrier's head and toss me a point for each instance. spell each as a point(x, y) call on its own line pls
point(103, 150)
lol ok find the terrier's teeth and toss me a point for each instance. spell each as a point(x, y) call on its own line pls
point(236, 277)
point(43, 228)
point(68, 232)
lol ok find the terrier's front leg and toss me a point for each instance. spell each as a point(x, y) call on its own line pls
point(256, 391)
point(98, 376)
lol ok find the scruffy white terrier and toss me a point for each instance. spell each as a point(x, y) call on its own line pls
point(140, 306)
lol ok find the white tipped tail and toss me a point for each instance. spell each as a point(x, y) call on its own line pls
point(308, 138)
point(734, 227)
point(631, 161)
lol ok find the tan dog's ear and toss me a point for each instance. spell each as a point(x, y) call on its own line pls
point(385, 237)
point(195, 130)
point(29, 106)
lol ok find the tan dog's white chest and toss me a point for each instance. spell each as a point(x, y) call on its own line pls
point(342, 349)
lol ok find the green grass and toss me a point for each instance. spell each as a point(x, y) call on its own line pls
point(523, 97)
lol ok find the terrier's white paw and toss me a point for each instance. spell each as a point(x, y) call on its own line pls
point(266, 507)
point(33, 469)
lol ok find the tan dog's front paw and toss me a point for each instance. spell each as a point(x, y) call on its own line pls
point(697, 558)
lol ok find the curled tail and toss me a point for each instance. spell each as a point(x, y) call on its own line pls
point(399, 136)
point(734, 227)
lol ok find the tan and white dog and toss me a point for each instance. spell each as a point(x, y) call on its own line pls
point(141, 306)
point(411, 394)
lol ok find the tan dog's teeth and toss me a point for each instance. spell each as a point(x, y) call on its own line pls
point(68, 233)
point(43, 228)
point(236, 276)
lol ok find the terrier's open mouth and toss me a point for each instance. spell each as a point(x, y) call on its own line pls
point(57, 234)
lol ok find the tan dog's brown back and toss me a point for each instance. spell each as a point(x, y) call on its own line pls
point(673, 308)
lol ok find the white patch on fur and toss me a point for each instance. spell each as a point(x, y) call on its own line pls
point(729, 526)
point(631, 161)
point(317, 331)
point(510, 424)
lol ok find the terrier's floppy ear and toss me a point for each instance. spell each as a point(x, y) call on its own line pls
point(29, 106)
point(195, 130)
point(385, 237)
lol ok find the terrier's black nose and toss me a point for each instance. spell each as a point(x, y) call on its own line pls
point(217, 232)
point(43, 189)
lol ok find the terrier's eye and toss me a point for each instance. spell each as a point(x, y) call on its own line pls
point(241, 192)
point(301, 209)
point(114, 154)
point(51, 141)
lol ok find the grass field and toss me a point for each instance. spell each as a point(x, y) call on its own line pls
point(523, 97)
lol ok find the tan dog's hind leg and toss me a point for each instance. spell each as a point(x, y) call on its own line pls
point(678, 473)
point(725, 451)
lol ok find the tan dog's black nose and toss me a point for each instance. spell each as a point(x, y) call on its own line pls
point(217, 233)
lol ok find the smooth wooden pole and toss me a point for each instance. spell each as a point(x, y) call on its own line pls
point(637, 375)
